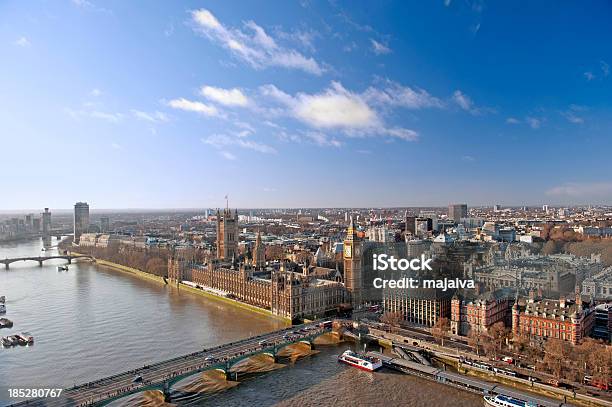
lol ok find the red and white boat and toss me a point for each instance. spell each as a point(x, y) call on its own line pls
point(360, 361)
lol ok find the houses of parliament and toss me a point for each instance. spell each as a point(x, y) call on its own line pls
point(284, 289)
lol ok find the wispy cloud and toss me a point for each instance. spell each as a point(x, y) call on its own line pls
point(88, 5)
point(227, 155)
point(322, 139)
point(572, 118)
point(534, 122)
point(467, 104)
point(379, 48)
point(467, 158)
point(224, 141)
point(95, 92)
point(252, 44)
point(512, 120)
point(394, 94)
point(111, 117)
point(227, 97)
point(605, 68)
point(573, 114)
point(22, 42)
point(154, 117)
point(586, 189)
point(193, 106)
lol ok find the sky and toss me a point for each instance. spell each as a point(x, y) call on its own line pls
point(304, 104)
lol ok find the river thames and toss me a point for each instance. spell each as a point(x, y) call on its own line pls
point(90, 322)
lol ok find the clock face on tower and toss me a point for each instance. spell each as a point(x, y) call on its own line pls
point(348, 251)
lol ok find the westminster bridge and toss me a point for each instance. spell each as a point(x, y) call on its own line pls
point(41, 259)
point(163, 375)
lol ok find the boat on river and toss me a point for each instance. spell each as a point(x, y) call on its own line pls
point(360, 361)
point(506, 401)
point(5, 323)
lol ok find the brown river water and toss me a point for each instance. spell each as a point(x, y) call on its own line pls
point(91, 322)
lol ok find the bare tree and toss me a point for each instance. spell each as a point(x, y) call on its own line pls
point(440, 329)
point(392, 319)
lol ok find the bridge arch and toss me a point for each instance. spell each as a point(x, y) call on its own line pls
point(41, 259)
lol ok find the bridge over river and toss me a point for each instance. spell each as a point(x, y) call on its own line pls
point(163, 375)
point(41, 259)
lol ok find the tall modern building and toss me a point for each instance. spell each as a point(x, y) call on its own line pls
point(227, 234)
point(81, 220)
point(457, 211)
point(353, 265)
point(46, 223)
point(410, 225)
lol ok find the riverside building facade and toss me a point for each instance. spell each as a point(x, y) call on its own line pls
point(290, 293)
point(560, 319)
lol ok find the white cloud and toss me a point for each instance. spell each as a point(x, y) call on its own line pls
point(574, 189)
point(276, 94)
point(95, 114)
point(334, 108)
point(467, 104)
point(88, 5)
point(463, 100)
point(395, 94)
point(322, 139)
point(467, 158)
point(337, 108)
point(22, 42)
point(253, 45)
point(227, 97)
point(447, 3)
point(95, 92)
point(227, 155)
point(605, 68)
point(116, 146)
point(589, 76)
point(245, 125)
point(223, 141)
point(572, 117)
point(534, 122)
point(350, 47)
point(111, 117)
point(303, 38)
point(400, 133)
point(82, 3)
point(379, 48)
point(193, 106)
point(512, 120)
point(155, 117)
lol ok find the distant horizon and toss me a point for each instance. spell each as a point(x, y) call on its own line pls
point(195, 209)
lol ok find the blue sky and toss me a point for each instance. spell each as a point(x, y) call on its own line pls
point(304, 104)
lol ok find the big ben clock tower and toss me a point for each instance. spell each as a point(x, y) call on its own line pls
point(353, 270)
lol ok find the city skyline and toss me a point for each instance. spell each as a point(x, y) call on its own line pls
point(319, 105)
